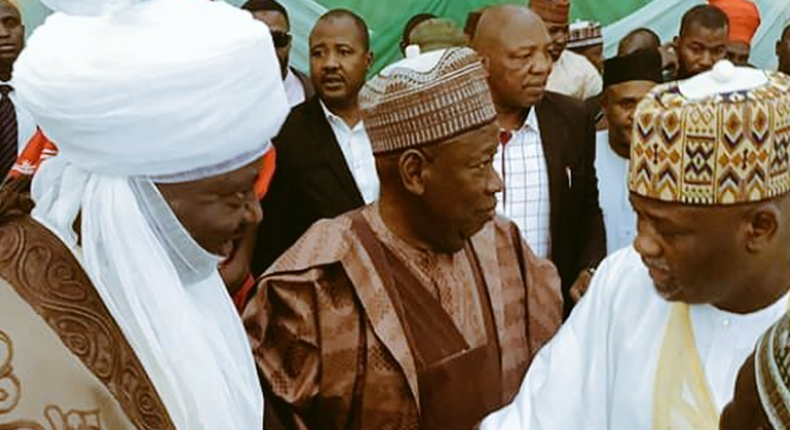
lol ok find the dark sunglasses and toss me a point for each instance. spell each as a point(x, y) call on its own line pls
point(281, 39)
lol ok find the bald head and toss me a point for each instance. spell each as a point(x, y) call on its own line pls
point(499, 24)
point(514, 44)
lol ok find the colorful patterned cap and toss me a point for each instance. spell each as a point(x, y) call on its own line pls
point(552, 11)
point(720, 138)
point(772, 368)
point(584, 34)
point(426, 99)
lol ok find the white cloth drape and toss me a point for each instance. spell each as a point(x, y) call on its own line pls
point(152, 91)
point(598, 372)
point(164, 292)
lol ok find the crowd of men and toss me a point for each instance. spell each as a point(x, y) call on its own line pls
point(501, 231)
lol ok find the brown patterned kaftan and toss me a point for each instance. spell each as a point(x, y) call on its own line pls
point(342, 343)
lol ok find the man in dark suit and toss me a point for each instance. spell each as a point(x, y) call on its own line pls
point(298, 87)
point(548, 148)
point(325, 164)
point(16, 123)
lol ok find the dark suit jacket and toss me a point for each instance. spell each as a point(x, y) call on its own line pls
point(578, 240)
point(312, 181)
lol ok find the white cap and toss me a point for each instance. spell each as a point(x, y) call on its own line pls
point(722, 79)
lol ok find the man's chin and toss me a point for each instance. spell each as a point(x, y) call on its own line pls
point(334, 97)
point(669, 291)
point(534, 98)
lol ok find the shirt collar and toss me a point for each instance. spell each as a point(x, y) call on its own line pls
point(334, 119)
point(327, 113)
point(530, 122)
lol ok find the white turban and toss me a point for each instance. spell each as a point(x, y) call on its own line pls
point(135, 92)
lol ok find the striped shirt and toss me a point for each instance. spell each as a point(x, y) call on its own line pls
point(522, 165)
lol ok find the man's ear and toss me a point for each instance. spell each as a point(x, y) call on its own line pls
point(486, 62)
point(413, 165)
point(762, 227)
point(369, 59)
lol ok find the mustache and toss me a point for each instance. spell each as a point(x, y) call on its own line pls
point(326, 77)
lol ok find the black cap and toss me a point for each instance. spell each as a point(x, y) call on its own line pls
point(642, 65)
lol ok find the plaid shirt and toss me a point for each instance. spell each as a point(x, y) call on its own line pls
point(522, 166)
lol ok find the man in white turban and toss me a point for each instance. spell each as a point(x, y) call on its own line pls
point(112, 311)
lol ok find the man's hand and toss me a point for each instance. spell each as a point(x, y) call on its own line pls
point(579, 287)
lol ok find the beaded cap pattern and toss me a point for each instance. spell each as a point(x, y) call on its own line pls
point(426, 100)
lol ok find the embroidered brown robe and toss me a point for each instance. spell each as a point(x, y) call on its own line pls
point(64, 363)
point(347, 334)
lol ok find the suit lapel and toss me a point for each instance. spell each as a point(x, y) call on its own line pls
point(553, 141)
point(325, 143)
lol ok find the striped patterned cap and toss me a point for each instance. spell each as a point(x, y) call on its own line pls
point(426, 99)
point(772, 368)
point(584, 34)
point(715, 139)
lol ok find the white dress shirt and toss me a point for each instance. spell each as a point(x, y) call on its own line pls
point(618, 216)
point(26, 126)
point(355, 145)
point(294, 89)
point(598, 372)
point(525, 199)
point(575, 76)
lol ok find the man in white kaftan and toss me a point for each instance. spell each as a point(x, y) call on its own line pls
point(658, 340)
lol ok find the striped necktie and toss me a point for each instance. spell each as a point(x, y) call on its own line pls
point(8, 132)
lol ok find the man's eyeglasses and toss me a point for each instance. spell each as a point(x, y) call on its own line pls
point(281, 39)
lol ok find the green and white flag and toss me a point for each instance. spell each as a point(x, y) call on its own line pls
point(386, 21)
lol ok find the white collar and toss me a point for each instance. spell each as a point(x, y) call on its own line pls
point(332, 118)
point(531, 121)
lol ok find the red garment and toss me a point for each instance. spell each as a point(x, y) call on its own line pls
point(744, 18)
point(38, 149)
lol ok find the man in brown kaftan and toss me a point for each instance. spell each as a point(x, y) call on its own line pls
point(424, 309)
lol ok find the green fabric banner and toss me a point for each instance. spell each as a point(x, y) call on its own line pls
point(386, 20)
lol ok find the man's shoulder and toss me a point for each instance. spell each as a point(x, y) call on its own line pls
point(326, 242)
point(301, 115)
point(578, 61)
point(299, 128)
point(560, 104)
point(506, 233)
